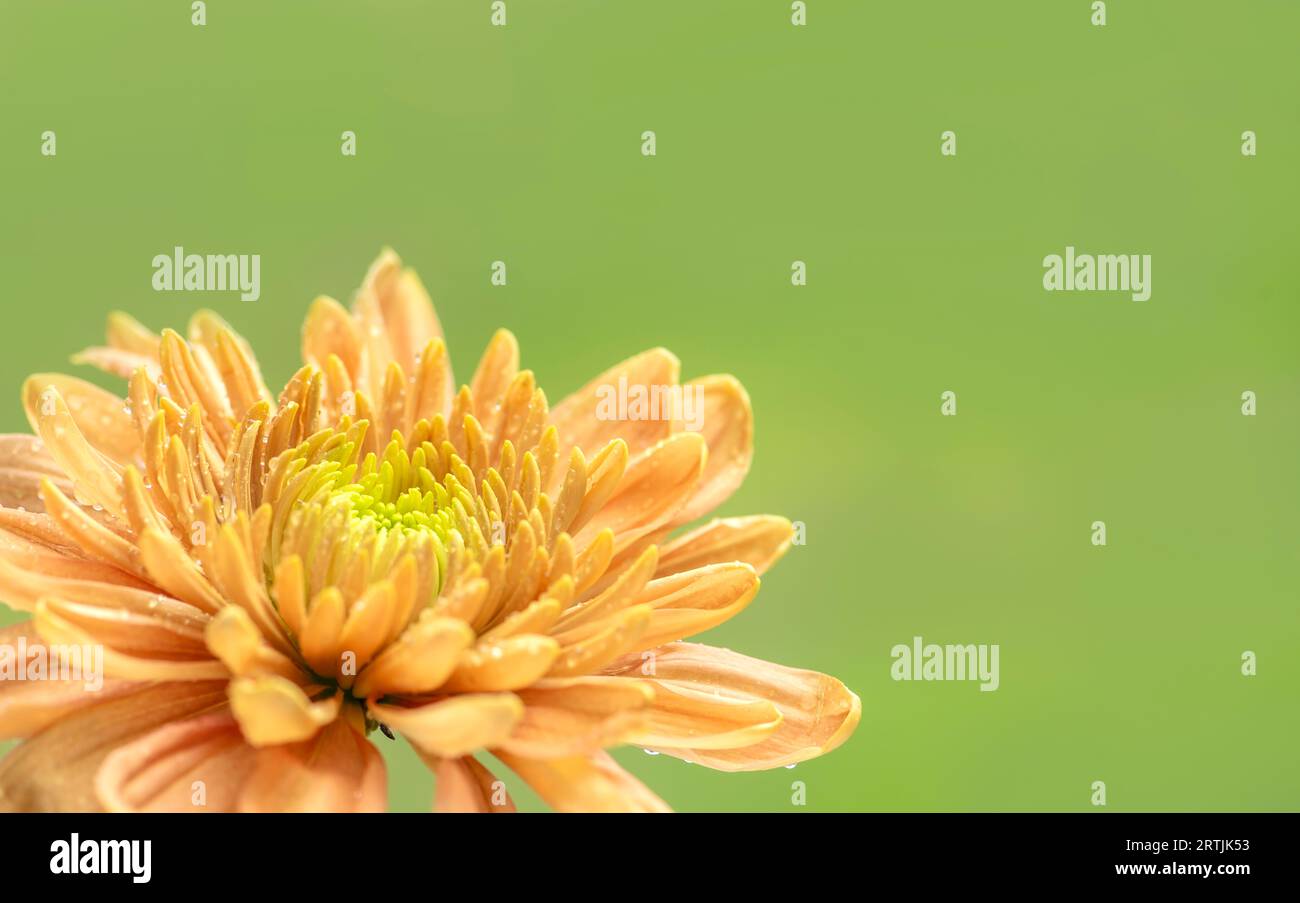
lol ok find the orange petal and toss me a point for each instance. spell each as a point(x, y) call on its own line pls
point(621, 593)
point(320, 635)
point(274, 710)
point(653, 489)
point(367, 623)
point(419, 662)
point(454, 726)
point(504, 664)
point(233, 637)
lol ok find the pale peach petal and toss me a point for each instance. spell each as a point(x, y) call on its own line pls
point(686, 716)
point(230, 358)
point(92, 538)
point(622, 592)
point(25, 452)
point(455, 725)
point(100, 415)
point(54, 770)
point(594, 783)
point(20, 553)
point(583, 422)
point(694, 601)
point(758, 540)
point(95, 478)
point(465, 785)
point(431, 386)
point(615, 635)
point(122, 364)
point(28, 706)
point(329, 330)
point(172, 569)
point(728, 428)
point(577, 716)
point(396, 316)
point(156, 634)
point(54, 621)
point(818, 712)
point(22, 588)
point(22, 489)
point(24, 463)
point(337, 771)
point(196, 765)
point(188, 385)
point(496, 371)
point(125, 332)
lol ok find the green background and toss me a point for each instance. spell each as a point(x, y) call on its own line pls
point(777, 143)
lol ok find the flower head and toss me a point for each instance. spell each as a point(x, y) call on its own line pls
point(272, 579)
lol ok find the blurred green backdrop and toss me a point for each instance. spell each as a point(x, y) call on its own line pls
point(776, 143)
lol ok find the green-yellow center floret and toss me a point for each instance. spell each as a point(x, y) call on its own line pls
point(411, 510)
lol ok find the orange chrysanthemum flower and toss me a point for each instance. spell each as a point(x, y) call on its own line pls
point(272, 579)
